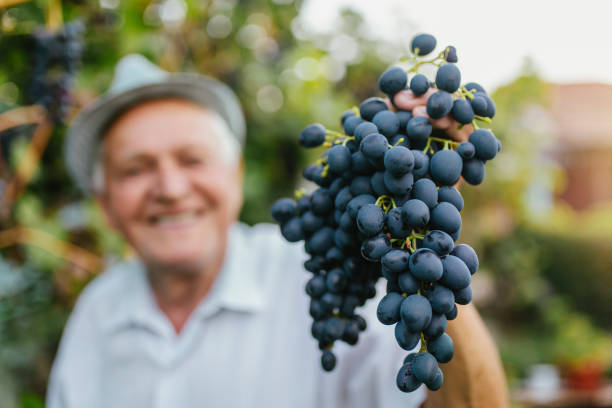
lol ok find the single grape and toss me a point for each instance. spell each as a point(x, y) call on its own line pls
point(436, 326)
point(415, 312)
point(426, 265)
point(445, 167)
point(456, 274)
point(442, 348)
point(451, 195)
point(399, 160)
point(328, 360)
point(374, 248)
point(463, 296)
point(439, 242)
point(396, 260)
point(292, 230)
point(312, 136)
point(468, 256)
point(441, 298)
point(405, 380)
point(450, 54)
point(388, 311)
point(374, 146)
point(424, 367)
point(321, 202)
point(439, 104)
point(339, 159)
point(485, 144)
point(418, 130)
point(423, 44)
point(387, 123)
point(462, 111)
point(466, 150)
point(405, 339)
point(448, 78)
point(392, 81)
point(398, 185)
point(283, 210)
point(419, 84)
point(395, 224)
point(473, 171)
point(445, 217)
point(364, 129)
point(426, 191)
point(371, 106)
point(370, 220)
point(415, 213)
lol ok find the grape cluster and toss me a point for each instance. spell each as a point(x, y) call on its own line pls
point(56, 58)
point(387, 207)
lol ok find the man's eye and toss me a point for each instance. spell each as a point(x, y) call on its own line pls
point(193, 161)
point(133, 171)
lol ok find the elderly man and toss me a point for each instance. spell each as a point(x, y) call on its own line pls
point(212, 313)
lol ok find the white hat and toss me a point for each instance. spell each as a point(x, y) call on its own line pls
point(136, 80)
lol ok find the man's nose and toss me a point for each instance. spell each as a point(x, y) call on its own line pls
point(172, 182)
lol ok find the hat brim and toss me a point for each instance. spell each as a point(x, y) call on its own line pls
point(84, 134)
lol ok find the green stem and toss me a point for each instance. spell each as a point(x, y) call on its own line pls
point(482, 119)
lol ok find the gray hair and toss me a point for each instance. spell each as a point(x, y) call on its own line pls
point(229, 150)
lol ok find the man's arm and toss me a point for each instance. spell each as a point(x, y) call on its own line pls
point(475, 376)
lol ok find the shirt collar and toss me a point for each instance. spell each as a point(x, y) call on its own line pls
point(236, 288)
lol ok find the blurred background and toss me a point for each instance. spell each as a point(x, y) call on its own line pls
point(541, 222)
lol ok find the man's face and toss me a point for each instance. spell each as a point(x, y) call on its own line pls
point(168, 189)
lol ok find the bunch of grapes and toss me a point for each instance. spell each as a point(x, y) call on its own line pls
point(56, 58)
point(387, 207)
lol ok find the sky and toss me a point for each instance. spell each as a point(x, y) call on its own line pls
point(568, 41)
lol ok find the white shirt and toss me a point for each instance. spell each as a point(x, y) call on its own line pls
point(248, 343)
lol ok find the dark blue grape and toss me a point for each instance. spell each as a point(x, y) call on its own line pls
point(451, 195)
point(351, 123)
point(396, 260)
point(317, 329)
point(328, 360)
point(474, 86)
point(321, 240)
point(345, 240)
point(364, 129)
point(423, 44)
point(374, 248)
point(439, 242)
point(456, 274)
point(463, 296)
point(342, 198)
point(335, 254)
point(336, 280)
point(283, 210)
point(371, 106)
point(316, 286)
point(421, 163)
point(388, 311)
point(441, 298)
point(473, 171)
point(311, 222)
point(303, 204)
point(398, 185)
point(347, 223)
point(450, 54)
point(399, 160)
point(361, 165)
point(377, 183)
point(312, 136)
point(445, 217)
point(321, 202)
point(351, 332)
point(345, 115)
point(439, 104)
point(426, 265)
point(418, 130)
point(436, 381)
point(337, 185)
point(445, 167)
point(479, 105)
point(466, 150)
point(387, 123)
point(370, 220)
point(424, 367)
point(339, 159)
point(405, 380)
point(468, 256)
point(392, 81)
point(406, 339)
point(452, 315)
point(415, 312)
point(407, 283)
point(462, 111)
point(317, 309)
point(419, 84)
point(314, 264)
point(448, 78)
point(292, 230)
point(485, 144)
point(360, 185)
point(436, 326)
point(415, 213)
point(404, 117)
point(357, 202)
point(441, 348)
point(395, 224)
point(426, 191)
point(490, 107)
point(374, 146)
point(331, 300)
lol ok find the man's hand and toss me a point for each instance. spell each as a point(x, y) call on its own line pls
point(407, 100)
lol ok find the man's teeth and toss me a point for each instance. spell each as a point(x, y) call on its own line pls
point(175, 218)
